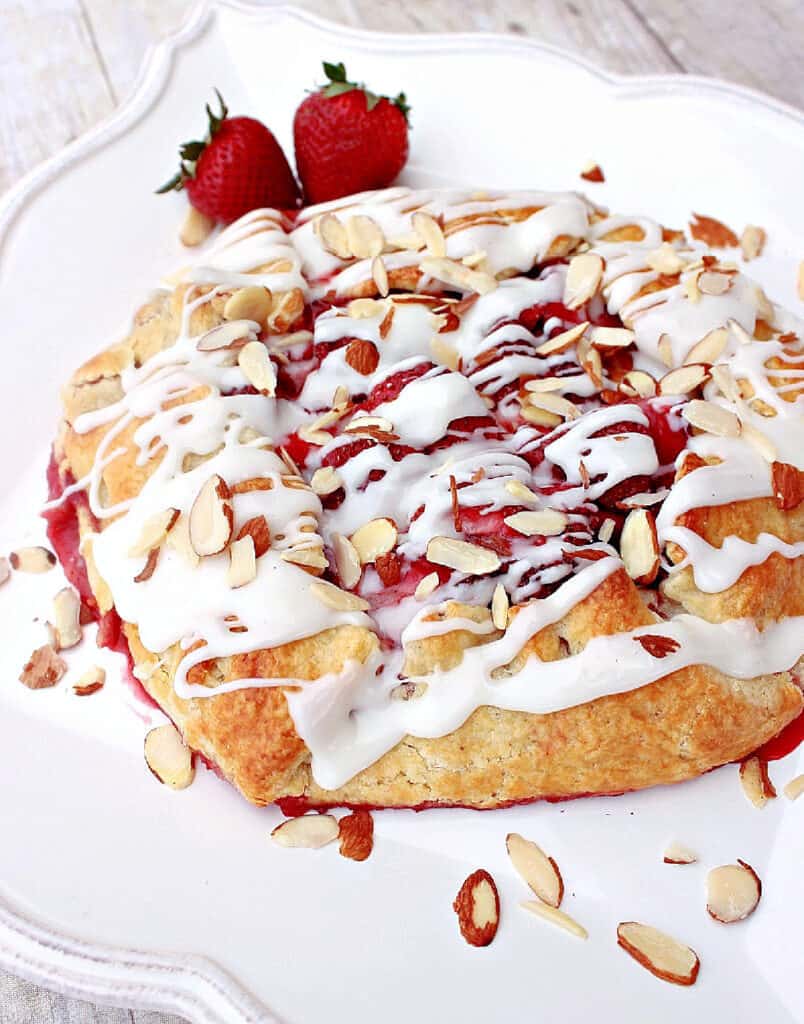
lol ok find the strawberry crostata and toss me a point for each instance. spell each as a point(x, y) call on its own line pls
point(448, 498)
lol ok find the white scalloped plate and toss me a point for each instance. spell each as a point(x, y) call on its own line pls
point(114, 888)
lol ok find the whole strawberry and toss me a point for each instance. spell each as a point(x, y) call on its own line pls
point(347, 139)
point(238, 167)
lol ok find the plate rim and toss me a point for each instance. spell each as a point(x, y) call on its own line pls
point(187, 984)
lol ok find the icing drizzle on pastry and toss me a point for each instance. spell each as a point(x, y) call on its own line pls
point(415, 408)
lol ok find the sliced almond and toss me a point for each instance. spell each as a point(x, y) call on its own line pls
point(561, 342)
point(555, 404)
point(711, 418)
point(520, 491)
point(677, 853)
point(638, 384)
point(656, 645)
point(332, 234)
point(380, 275)
point(787, 487)
point(410, 242)
point(285, 311)
point(451, 272)
point(664, 347)
point(251, 303)
point(211, 517)
point(794, 788)
point(756, 782)
point(374, 538)
point(154, 531)
point(592, 172)
point(179, 540)
point(312, 559)
point(366, 309)
point(309, 832)
point(196, 228)
point(229, 335)
point(759, 441)
point(538, 870)
point(326, 480)
point(711, 282)
point(90, 682)
point(639, 546)
point(710, 348)
point(426, 585)
point(356, 835)
point(43, 669)
point(259, 531)
point(733, 892)
point(361, 423)
point(170, 760)
point(606, 530)
point(690, 285)
point(347, 561)
point(34, 559)
point(726, 384)
point(362, 356)
point(242, 562)
point(739, 332)
point(662, 955)
point(499, 607)
point(540, 417)
point(555, 916)
point(683, 381)
point(712, 232)
point(337, 599)
point(545, 385)
point(752, 242)
point(67, 618)
point(444, 353)
point(430, 231)
point(257, 368)
point(611, 338)
point(478, 908)
point(471, 559)
point(584, 275)
point(365, 237)
point(547, 522)
point(665, 260)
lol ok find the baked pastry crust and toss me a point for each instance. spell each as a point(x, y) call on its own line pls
point(671, 729)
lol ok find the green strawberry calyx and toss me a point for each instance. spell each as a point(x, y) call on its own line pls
point(338, 84)
point(189, 152)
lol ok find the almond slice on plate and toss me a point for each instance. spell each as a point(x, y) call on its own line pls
point(682, 381)
point(34, 559)
point(309, 832)
point(752, 241)
point(555, 916)
point(257, 368)
point(593, 172)
point(794, 788)
point(251, 303)
point(677, 853)
point(67, 618)
point(43, 669)
point(242, 562)
point(462, 556)
point(662, 955)
point(478, 908)
point(639, 546)
point(733, 892)
point(153, 532)
point(584, 275)
point(168, 758)
point(546, 522)
point(356, 835)
point(376, 537)
point(211, 517)
point(90, 682)
point(536, 868)
point(756, 782)
point(711, 418)
point(196, 228)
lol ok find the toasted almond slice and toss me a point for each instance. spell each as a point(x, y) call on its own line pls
point(662, 955)
point(289, 340)
point(759, 441)
point(366, 309)
point(444, 353)
point(430, 231)
point(739, 332)
point(312, 559)
point(377, 537)
point(168, 757)
point(638, 384)
point(556, 916)
point(610, 338)
point(545, 522)
point(211, 517)
point(365, 237)
point(677, 853)
point(664, 348)
point(475, 259)
point(233, 334)
point(179, 540)
point(756, 782)
point(540, 417)
point(592, 172)
point(426, 585)
point(752, 242)
point(551, 402)
point(710, 348)
point(733, 892)
point(536, 868)
point(67, 618)
point(794, 788)
point(786, 486)
point(196, 228)
point(643, 499)
point(34, 559)
point(545, 385)
point(154, 531)
point(242, 562)
point(257, 368)
point(309, 832)
point(347, 561)
point(519, 491)
point(606, 530)
point(451, 272)
point(499, 607)
point(43, 669)
point(561, 342)
point(314, 437)
point(380, 275)
point(639, 546)
point(251, 303)
point(356, 835)
point(458, 554)
point(337, 599)
point(683, 380)
point(411, 242)
point(724, 379)
point(332, 234)
point(666, 260)
point(149, 568)
point(359, 423)
point(711, 418)
point(584, 275)
point(90, 682)
point(325, 480)
point(711, 282)
point(478, 908)
point(690, 285)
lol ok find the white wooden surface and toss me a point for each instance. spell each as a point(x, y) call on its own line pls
point(65, 64)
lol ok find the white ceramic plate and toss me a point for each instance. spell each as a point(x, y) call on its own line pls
point(113, 887)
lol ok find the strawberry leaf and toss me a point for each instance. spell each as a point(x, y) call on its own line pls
point(175, 184)
point(335, 72)
point(401, 102)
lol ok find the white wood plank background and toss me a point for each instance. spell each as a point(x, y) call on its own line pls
point(65, 64)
